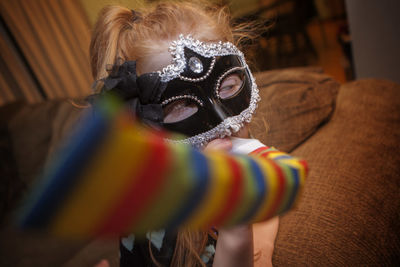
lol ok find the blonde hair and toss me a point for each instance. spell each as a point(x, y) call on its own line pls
point(123, 34)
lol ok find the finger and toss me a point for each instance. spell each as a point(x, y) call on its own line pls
point(102, 263)
point(243, 132)
point(219, 144)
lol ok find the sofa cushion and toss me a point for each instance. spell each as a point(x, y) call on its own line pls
point(28, 135)
point(294, 103)
point(10, 184)
point(33, 130)
point(348, 214)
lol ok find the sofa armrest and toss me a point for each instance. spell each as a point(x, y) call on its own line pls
point(348, 214)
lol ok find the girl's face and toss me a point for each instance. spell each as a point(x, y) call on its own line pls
point(210, 90)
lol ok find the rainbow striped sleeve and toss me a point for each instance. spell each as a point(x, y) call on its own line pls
point(114, 176)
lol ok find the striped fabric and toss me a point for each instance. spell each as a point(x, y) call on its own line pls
point(114, 176)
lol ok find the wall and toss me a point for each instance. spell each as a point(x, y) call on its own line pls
point(375, 33)
point(92, 7)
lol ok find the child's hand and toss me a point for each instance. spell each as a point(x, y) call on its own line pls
point(234, 247)
point(219, 144)
point(243, 132)
point(102, 263)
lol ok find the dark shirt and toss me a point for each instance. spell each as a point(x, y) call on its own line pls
point(135, 251)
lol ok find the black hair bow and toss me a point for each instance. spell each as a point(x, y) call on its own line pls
point(142, 94)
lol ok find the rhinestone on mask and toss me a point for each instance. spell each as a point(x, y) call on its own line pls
point(183, 78)
point(195, 65)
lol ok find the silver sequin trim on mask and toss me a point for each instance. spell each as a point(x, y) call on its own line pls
point(208, 50)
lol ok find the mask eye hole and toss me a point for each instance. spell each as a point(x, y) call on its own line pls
point(231, 85)
point(179, 110)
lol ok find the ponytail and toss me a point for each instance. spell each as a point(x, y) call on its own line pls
point(110, 38)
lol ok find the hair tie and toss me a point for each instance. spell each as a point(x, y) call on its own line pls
point(135, 15)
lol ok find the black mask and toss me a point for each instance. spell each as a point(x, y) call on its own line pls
point(210, 91)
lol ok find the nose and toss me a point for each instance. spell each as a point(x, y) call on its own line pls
point(221, 112)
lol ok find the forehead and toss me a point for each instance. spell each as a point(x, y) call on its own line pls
point(155, 62)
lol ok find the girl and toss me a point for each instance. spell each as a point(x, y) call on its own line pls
point(177, 68)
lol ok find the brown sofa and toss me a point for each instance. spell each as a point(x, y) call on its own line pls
point(349, 212)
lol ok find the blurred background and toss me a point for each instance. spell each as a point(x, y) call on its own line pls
point(44, 43)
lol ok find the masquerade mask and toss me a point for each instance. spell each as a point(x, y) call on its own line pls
point(207, 92)
point(210, 90)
